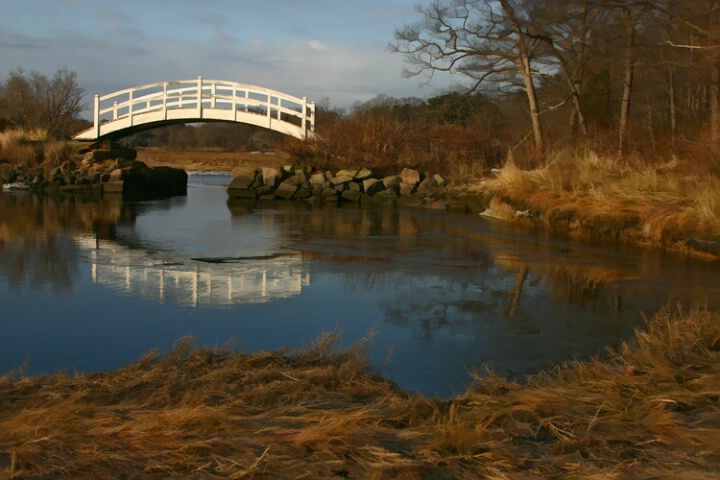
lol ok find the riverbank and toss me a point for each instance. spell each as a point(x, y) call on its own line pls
point(650, 410)
point(673, 205)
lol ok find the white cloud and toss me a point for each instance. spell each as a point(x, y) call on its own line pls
point(317, 45)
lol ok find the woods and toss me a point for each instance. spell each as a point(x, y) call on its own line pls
point(645, 70)
point(34, 102)
point(620, 77)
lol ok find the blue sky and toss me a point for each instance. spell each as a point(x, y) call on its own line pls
point(313, 48)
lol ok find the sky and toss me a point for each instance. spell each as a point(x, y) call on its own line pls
point(336, 49)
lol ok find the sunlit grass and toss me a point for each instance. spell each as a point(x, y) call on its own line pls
point(650, 409)
point(604, 195)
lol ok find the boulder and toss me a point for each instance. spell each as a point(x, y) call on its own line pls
point(146, 183)
point(242, 177)
point(406, 188)
point(271, 176)
point(117, 174)
point(298, 179)
point(285, 190)
point(410, 176)
point(351, 196)
point(427, 184)
point(392, 181)
point(372, 186)
point(337, 180)
point(363, 174)
point(318, 179)
point(242, 193)
point(347, 173)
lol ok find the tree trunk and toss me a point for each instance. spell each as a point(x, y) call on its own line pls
point(533, 104)
point(673, 106)
point(578, 108)
point(714, 104)
point(628, 82)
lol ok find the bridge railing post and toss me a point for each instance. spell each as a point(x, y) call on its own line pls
point(96, 117)
point(312, 117)
point(199, 96)
point(164, 100)
point(130, 107)
point(304, 117)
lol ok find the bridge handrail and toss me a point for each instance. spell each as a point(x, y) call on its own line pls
point(203, 94)
point(206, 84)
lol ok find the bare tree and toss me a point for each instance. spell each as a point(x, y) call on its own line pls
point(487, 41)
point(567, 26)
point(34, 101)
point(631, 18)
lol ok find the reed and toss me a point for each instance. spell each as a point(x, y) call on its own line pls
point(653, 203)
point(649, 409)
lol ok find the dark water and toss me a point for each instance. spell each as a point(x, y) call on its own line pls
point(90, 285)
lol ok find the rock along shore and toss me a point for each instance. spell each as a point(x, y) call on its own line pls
point(410, 187)
point(112, 171)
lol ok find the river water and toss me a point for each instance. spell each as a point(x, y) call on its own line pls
point(92, 284)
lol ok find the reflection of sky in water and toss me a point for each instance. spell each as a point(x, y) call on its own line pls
point(443, 293)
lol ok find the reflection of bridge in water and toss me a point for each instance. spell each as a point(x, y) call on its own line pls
point(147, 274)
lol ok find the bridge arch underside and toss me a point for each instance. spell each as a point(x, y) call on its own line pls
point(123, 127)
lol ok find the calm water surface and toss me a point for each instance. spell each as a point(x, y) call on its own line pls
point(91, 285)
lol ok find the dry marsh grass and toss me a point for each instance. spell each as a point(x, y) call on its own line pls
point(16, 147)
point(210, 160)
point(657, 204)
point(650, 410)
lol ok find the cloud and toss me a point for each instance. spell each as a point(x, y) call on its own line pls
point(317, 45)
point(119, 55)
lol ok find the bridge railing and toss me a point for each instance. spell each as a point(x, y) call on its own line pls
point(202, 99)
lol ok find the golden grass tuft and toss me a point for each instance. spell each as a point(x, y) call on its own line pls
point(650, 410)
point(600, 195)
point(16, 146)
point(57, 153)
point(14, 136)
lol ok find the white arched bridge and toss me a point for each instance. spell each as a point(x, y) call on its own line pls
point(149, 106)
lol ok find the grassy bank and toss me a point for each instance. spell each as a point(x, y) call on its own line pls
point(650, 410)
point(210, 160)
point(670, 204)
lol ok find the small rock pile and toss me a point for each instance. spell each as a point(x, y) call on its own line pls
point(103, 171)
point(357, 185)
